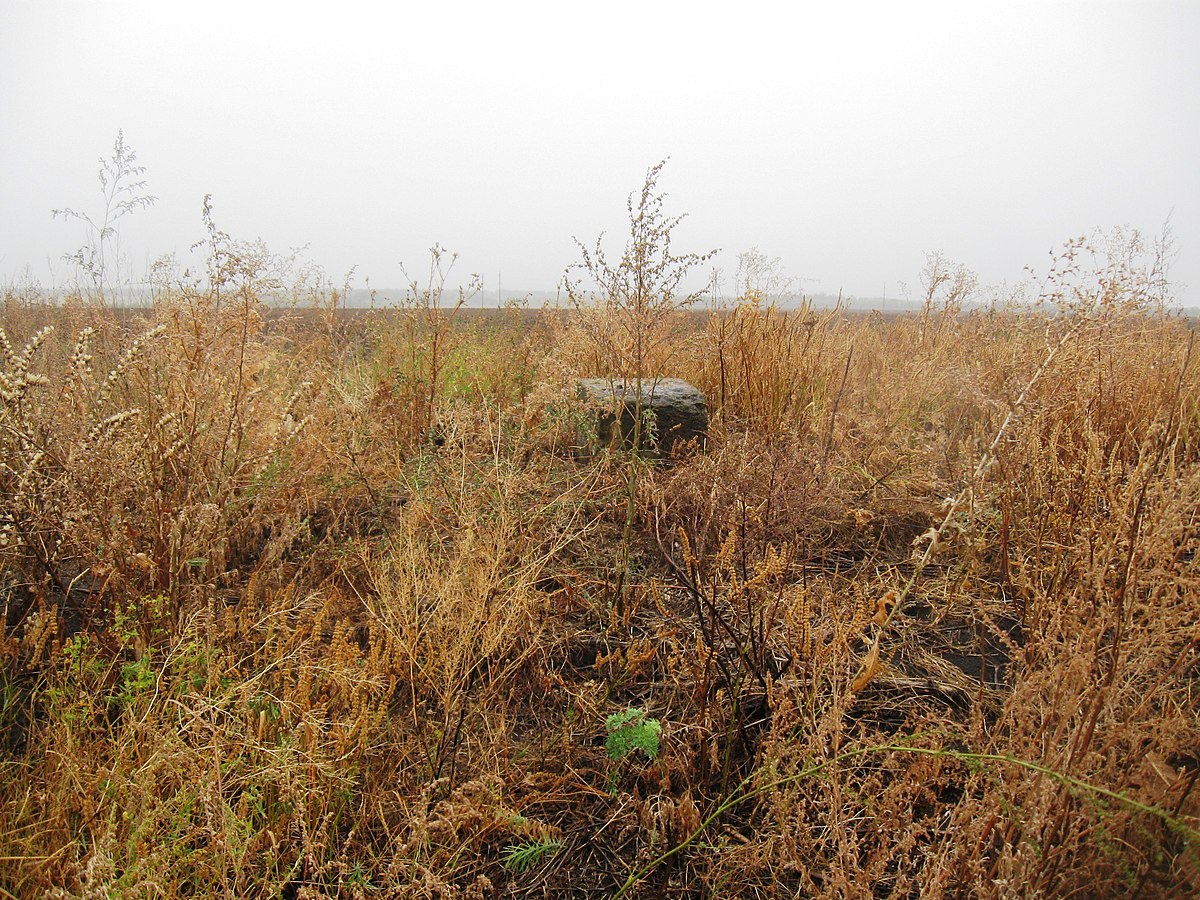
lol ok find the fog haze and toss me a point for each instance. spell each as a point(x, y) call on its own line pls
point(846, 142)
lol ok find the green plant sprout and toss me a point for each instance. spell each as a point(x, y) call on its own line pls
point(632, 730)
point(526, 855)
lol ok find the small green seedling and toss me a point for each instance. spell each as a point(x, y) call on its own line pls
point(632, 730)
point(520, 857)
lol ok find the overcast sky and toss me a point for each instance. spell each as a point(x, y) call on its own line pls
point(848, 139)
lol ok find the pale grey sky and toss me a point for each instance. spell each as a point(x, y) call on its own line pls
point(848, 139)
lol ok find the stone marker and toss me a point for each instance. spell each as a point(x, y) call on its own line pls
point(678, 409)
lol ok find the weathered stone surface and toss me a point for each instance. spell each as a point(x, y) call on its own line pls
point(679, 412)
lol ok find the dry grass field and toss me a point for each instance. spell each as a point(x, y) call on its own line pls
point(307, 604)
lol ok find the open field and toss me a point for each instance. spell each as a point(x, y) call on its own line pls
point(308, 604)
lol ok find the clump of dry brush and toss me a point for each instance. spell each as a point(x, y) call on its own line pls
point(304, 604)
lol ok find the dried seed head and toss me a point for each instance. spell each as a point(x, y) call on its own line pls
point(134, 351)
point(105, 429)
point(81, 357)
